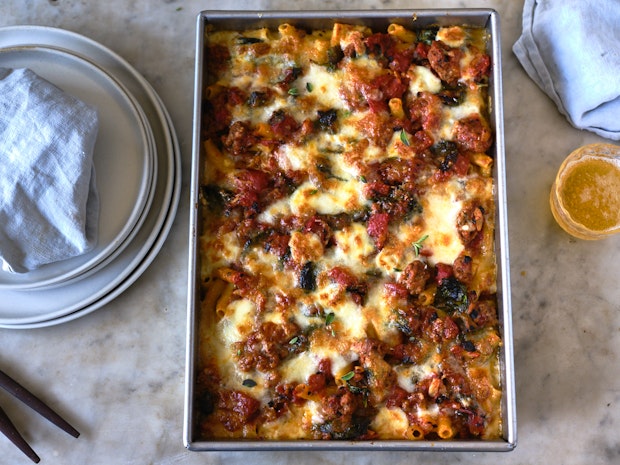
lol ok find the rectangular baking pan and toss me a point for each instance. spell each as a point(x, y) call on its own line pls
point(379, 19)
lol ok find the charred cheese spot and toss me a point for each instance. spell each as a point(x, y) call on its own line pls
point(454, 36)
point(353, 247)
point(343, 196)
point(305, 247)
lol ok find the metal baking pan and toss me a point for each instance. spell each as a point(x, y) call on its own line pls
point(240, 20)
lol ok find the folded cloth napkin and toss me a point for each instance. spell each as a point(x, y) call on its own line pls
point(570, 48)
point(49, 207)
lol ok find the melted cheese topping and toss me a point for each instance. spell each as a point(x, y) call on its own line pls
point(423, 80)
point(340, 198)
point(392, 420)
point(347, 267)
point(353, 247)
point(440, 225)
point(324, 86)
point(473, 105)
point(455, 37)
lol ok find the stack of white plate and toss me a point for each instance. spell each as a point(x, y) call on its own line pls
point(138, 169)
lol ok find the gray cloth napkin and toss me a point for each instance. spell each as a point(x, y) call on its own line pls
point(571, 49)
point(49, 207)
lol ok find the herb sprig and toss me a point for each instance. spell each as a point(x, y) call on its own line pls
point(417, 245)
point(404, 138)
point(329, 319)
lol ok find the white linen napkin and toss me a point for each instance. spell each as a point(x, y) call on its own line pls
point(571, 49)
point(49, 207)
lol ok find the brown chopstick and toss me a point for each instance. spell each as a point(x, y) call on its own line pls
point(17, 390)
point(8, 429)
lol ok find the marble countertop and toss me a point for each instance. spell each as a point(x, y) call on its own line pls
point(117, 374)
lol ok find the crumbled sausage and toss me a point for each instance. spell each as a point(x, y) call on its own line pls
point(473, 134)
point(445, 61)
point(463, 268)
point(469, 222)
point(414, 276)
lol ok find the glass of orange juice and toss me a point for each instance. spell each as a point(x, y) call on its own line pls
point(585, 197)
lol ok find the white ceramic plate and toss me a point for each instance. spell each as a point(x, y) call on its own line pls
point(84, 294)
point(135, 273)
point(123, 156)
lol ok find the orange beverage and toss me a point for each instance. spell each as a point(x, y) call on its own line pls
point(585, 197)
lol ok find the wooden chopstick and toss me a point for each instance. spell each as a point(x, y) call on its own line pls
point(17, 390)
point(8, 429)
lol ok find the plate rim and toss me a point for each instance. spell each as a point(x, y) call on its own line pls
point(147, 251)
point(144, 195)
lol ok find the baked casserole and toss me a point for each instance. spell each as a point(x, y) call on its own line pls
point(348, 269)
